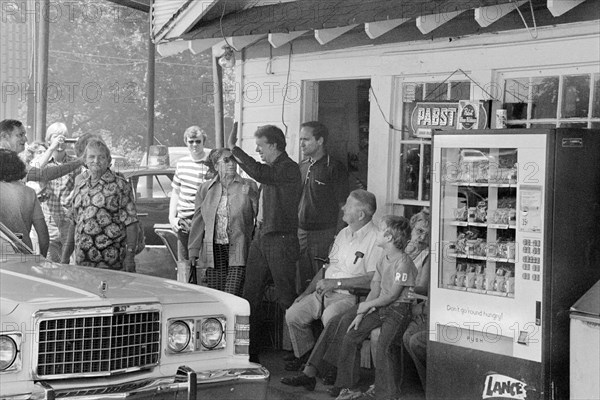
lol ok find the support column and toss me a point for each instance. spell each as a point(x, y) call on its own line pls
point(218, 100)
point(150, 92)
point(42, 72)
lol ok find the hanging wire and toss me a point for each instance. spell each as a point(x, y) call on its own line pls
point(381, 111)
point(287, 82)
point(221, 25)
point(391, 126)
point(523, 19)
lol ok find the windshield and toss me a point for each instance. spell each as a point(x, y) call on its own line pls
point(10, 243)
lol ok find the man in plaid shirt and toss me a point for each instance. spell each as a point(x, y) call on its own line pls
point(58, 191)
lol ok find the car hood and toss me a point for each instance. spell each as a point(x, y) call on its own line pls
point(31, 280)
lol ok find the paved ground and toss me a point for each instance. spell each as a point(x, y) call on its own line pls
point(272, 360)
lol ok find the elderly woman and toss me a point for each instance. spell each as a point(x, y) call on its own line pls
point(103, 231)
point(415, 336)
point(223, 223)
point(19, 205)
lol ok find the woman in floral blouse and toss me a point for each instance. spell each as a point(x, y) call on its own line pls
point(104, 220)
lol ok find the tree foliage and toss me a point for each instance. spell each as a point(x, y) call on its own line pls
point(98, 75)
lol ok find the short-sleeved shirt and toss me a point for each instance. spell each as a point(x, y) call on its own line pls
point(59, 191)
point(101, 212)
point(353, 253)
point(393, 270)
point(325, 187)
point(189, 174)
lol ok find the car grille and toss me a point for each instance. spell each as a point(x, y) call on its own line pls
point(98, 344)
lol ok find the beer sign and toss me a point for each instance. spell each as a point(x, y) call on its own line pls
point(471, 115)
point(429, 116)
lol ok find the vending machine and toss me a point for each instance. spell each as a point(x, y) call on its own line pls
point(515, 242)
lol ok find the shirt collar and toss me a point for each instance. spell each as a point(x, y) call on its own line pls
point(362, 232)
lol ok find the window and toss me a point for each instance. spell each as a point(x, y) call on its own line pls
point(553, 101)
point(415, 153)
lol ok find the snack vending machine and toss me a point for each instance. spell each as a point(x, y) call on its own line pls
point(515, 242)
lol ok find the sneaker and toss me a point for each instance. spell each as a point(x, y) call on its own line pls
point(368, 395)
point(349, 394)
point(308, 382)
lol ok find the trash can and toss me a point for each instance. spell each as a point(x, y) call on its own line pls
point(585, 346)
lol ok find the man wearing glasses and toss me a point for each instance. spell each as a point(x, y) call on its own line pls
point(189, 174)
point(323, 194)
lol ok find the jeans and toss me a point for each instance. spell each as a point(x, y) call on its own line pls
point(415, 343)
point(271, 256)
point(393, 320)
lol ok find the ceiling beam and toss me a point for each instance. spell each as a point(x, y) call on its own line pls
point(325, 36)
point(485, 16)
point(559, 7)
point(428, 23)
point(279, 39)
point(376, 29)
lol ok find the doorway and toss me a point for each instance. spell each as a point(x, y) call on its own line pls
point(343, 106)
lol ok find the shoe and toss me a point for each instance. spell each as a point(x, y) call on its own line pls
point(289, 356)
point(329, 378)
point(254, 358)
point(308, 382)
point(368, 395)
point(334, 391)
point(297, 364)
point(348, 394)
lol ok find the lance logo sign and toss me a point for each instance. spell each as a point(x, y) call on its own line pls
point(499, 386)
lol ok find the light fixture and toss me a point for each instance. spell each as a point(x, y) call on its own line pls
point(227, 60)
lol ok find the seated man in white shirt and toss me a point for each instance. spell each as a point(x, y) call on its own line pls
point(352, 262)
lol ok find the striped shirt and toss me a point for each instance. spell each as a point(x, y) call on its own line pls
point(189, 174)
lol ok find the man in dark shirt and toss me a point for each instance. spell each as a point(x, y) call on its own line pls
point(325, 189)
point(274, 250)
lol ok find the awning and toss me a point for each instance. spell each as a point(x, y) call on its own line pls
point(179, 25)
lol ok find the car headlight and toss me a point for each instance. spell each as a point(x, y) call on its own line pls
point(8, 352)
point(179, 336)
point(211, 333)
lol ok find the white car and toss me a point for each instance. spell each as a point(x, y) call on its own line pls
point(82, 333)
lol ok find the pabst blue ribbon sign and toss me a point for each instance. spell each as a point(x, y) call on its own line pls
point(428, 116)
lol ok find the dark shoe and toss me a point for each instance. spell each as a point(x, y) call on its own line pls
point(300, 380)
point(297, 364)
point(289, 356)
point(334, 391)
point(254, 358)
point(329, 378)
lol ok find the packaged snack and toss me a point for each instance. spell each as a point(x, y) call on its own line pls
point(499, 280)
point(480, 277)
point(470, 276)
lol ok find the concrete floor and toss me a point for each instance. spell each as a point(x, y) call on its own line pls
point(272, 360)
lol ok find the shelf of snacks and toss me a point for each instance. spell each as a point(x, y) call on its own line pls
point(474, 278)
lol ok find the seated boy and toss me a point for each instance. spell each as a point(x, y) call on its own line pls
point(387, 306)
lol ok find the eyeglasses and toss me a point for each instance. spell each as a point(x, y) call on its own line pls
point(225, 160)
point(194, 141)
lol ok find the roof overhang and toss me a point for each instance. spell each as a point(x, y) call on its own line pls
point(179, 25)
point(141, 5)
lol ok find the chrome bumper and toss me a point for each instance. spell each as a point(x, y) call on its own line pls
point(226, 384)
